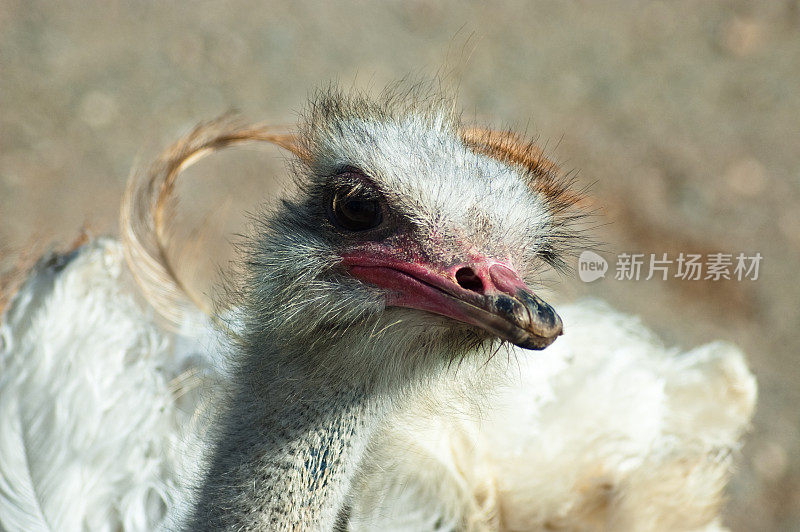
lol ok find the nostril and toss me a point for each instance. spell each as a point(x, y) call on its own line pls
point(469, 280)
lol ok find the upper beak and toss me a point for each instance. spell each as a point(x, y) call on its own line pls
point(486, 294)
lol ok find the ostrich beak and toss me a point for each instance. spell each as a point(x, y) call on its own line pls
point(484, 293)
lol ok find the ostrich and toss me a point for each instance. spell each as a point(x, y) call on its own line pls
point(378, 368)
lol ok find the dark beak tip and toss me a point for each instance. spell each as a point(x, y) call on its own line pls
point(544, 320)
point(546, 324)
point(537, 343)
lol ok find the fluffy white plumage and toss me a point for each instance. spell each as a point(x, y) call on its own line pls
point(101, 421)
point(94, 431)
point(607, 430)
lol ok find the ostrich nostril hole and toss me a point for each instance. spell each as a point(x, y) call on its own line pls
point(468, 279)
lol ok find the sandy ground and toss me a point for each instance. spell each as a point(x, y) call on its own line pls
point(682, 116)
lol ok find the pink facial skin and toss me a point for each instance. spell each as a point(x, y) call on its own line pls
point(481, 292)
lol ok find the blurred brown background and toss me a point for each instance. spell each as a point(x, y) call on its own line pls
point(684, 117)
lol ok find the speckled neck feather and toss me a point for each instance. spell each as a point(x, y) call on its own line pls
point(286, 454)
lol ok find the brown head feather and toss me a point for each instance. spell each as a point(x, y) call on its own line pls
point(510, 148)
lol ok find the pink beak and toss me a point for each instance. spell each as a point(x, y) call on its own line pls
point(483, 293)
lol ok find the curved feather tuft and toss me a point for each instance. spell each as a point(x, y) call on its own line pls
point(148, 208)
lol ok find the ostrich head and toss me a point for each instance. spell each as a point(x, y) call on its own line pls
point(411, 241)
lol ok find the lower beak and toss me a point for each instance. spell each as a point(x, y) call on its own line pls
point(495, 299)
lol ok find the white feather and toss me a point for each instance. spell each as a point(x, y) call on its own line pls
point(92, 436)
point(605, 430)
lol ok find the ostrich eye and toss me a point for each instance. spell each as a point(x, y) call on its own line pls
point(355, 209)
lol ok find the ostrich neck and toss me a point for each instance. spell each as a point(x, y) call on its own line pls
point(287, 451)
